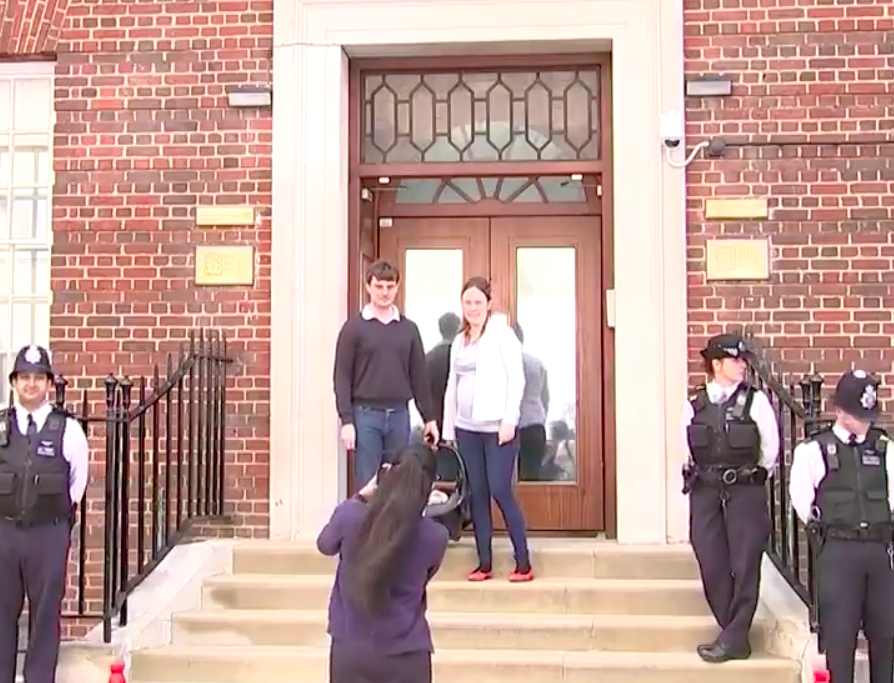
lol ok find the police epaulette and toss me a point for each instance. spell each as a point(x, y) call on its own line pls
point(697, 390)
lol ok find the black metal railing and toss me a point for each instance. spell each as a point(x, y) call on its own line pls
point(799, 411)
point(162, 443)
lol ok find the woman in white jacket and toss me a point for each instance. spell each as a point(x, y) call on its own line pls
point(481, 410)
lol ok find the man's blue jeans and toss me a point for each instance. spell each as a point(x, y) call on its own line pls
point(381, 433)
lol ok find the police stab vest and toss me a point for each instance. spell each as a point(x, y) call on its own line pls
point(724, 435)
point(854, 492)
point(34, 476)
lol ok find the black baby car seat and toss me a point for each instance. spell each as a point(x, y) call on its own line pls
point(454, 482)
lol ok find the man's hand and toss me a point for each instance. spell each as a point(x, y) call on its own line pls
point(431, 433)
point(506, 433)
point(348, 437)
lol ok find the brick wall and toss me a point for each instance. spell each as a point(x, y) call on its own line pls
point(143, 136)
point(811, 120)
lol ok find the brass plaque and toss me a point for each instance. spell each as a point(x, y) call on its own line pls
point(738, 259)
point(755, 208)
point(217, 266)
point(224, 216)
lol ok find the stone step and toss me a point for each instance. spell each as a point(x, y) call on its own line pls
point(464, 631)
point(310, 665)
point(585, 559)
point(545, 596)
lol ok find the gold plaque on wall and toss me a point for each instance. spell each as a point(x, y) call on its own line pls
point(737, 209)
point(218, 266)
point(738, 259)
point(224, 216)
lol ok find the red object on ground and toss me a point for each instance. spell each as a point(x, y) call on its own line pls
point(117, 675)
point(819, 676)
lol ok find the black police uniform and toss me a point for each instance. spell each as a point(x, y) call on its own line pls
point(35, 514)
point(851, 528)
point(728, 518)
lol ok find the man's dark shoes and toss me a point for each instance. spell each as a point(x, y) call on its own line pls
point(718, 652)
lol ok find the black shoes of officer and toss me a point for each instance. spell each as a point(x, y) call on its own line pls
point(718, 652)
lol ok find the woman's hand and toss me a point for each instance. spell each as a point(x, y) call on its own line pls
point(372, 485)
point(506, 433)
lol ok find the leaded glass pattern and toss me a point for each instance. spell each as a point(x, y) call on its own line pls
point(506, 190)
point(481, 116)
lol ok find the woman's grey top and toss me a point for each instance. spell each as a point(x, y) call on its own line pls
point(535, 400)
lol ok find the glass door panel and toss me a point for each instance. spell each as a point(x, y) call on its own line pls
point(556, 304)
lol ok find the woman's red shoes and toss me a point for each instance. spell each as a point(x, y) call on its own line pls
point(516, 576)
point(521, 576)
point(480, 575)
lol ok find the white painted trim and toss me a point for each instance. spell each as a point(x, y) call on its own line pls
point(27, 69)
point(309, 270)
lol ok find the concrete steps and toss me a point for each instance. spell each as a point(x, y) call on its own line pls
point(597, 611)
point(681, 597)
point(263, 665)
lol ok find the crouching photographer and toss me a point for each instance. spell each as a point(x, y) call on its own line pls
point(388, 552)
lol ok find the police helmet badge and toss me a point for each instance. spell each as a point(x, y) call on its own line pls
point(33, 355)
point(869, 397)
point(859, 374)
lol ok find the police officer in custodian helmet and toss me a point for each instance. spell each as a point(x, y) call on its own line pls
point(733, 442)
point(43, 474)
point(841, 487)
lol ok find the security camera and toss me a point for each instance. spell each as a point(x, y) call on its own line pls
point(671, 129)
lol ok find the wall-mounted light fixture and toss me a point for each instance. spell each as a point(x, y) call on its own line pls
point(709, 85)
point(250, 97)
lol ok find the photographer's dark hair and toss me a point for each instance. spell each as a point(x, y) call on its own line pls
point(387, 530)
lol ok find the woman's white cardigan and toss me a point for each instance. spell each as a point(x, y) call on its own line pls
point(499, 378)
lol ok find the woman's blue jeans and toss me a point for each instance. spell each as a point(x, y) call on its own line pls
point(490, 467)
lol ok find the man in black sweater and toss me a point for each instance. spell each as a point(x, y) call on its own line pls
point(379, 368)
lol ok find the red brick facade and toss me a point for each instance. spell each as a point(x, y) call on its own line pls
point(144, 135)
point(812, 119)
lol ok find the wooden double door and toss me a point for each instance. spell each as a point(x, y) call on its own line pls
point(546, 274)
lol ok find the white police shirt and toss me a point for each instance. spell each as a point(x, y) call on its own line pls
point(74, 446)
point(809, 469)
point(761, 412)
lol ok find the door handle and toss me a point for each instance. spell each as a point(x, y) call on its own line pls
point(610, 308)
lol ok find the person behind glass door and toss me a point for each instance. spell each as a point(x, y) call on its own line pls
point(532, 415)
point(437, 360)
point(842, 487)
point(43, 476)
point(732, 438)
point(481, 412)
point(388, 552)
point(379, 367)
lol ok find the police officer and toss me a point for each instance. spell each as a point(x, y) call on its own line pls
point(733, 442)
point(841, 487)
point(43, 474)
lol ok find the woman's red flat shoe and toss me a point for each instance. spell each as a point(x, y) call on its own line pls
point(520, 577)
point(480, 575)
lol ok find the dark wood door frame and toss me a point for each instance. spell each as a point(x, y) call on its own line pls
point(603, 168)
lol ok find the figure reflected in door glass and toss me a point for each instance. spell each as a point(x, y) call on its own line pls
point(532, 415)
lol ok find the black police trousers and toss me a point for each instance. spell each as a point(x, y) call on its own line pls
point(33, 562)
point(728, 528)
point(856, 588)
